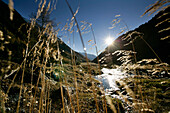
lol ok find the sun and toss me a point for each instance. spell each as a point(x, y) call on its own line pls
point(109, 41)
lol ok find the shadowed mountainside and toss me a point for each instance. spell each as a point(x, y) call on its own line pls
point(151, 34)
point(17, 30)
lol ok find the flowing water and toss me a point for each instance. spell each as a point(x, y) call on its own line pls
point(108, 79)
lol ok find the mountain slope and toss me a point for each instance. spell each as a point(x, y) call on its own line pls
point(19, 34)
point(89, 56)
point(151, 35)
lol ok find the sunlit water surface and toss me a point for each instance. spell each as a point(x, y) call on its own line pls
point(108, 79)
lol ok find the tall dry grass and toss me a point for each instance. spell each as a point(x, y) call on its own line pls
point(53, 86)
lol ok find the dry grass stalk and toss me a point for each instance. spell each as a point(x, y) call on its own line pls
point(94, 93)
point(158, 5)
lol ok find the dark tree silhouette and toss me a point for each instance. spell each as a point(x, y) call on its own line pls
point(44, 18)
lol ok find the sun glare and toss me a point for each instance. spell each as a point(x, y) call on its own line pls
point(108, 41)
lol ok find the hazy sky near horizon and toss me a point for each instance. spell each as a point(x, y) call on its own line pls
point(98, 12)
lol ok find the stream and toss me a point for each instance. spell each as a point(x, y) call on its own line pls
point(108, 79)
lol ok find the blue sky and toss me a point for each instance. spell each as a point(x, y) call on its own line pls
point(98, 12)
